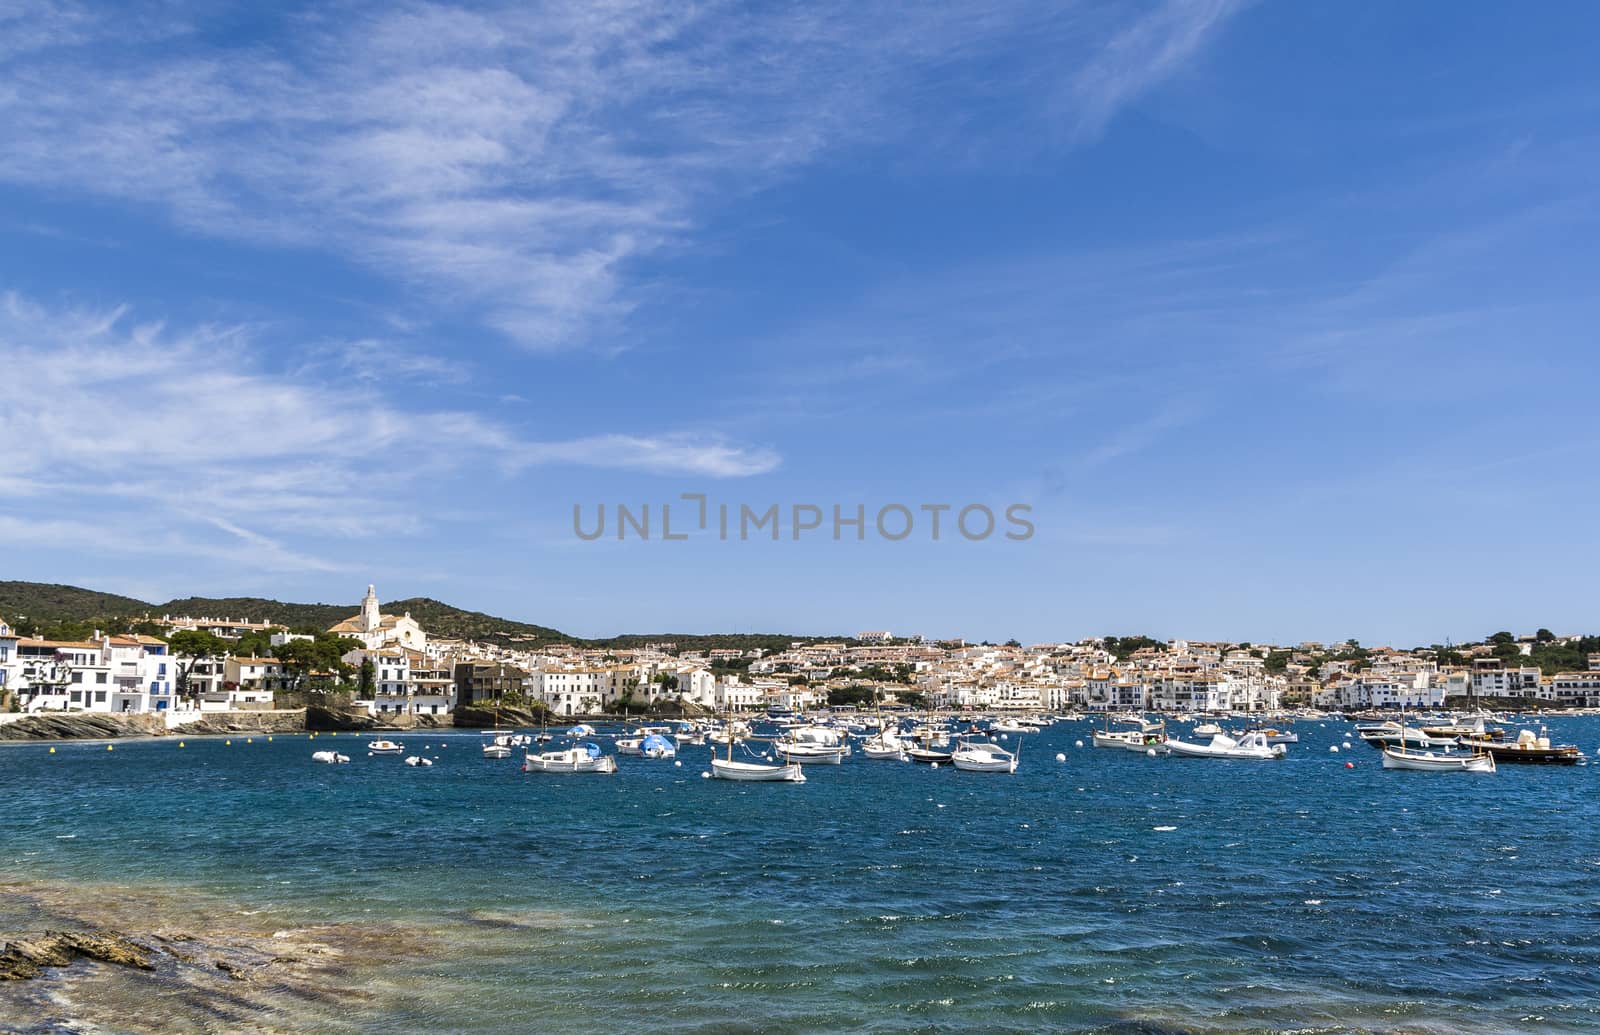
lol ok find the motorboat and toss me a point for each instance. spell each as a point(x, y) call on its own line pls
point(418, 760)
point(754, 772)
point(329, 757)
point(385, 747)
point(1277, 736)
point(582, 758)
point(1207, 729)
point(1442, 762)
point(984, 758)
point(634, 744)
point(658, 745)
point(1531, 749)
point(1014, 726)
point(499, 747)
point(929, 756)
point(1253, 745)
point(1393, 734)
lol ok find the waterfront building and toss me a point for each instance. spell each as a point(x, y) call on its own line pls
point(114, 674)
point(376, 630)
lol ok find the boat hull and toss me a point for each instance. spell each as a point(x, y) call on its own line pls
point(1437, 763)
point(750, 772)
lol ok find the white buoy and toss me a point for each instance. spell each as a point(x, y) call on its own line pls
point(1003, 736)
point(678, 765)
point(1060, 757)
point(1347, 744)
point(935, 765)
point(1151, 752)
point(1333, 748)
point(1077, 743)
point(705, 776)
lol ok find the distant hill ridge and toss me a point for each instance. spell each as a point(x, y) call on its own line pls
point(46, 602)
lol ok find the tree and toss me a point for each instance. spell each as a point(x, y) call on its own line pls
point(1502, 638)
point(366, 682)
point(1013, 642)
point(1544, 636)
point(189, 647)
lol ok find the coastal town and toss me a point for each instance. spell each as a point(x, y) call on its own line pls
point(390, 667)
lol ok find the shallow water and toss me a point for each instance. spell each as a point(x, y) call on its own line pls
point(1110, 892)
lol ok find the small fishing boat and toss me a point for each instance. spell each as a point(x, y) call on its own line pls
point(385, 747)
point(1250, 745)
point(584, 758)
point(806, 753)
point(1529, 749)
point(984, 758)
point(1207, 729)
point(754, 772)
point(1443, 762)
point(658, 745)
point(498, 747)
point(329, 757)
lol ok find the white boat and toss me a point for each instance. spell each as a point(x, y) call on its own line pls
point(385, 747)
point(634, 743)
point(727, 769)
point(330, 757)
point(984, 758)
point(499, 747)
point(1250, 745)
point(1207, 729)
point(658, 745)
point(1444, 762)
point(809, 754)
point(1013, 726)
point(418, 760)
point(585, 758)
point(1117, 738)
point(884, 747)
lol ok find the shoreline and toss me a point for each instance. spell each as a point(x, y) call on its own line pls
point(153, 960)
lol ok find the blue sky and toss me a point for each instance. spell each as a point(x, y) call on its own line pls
point(1279, 316)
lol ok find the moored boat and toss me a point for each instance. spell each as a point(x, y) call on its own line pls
point(984, 758)
point(1249, 746)
point(329, 757)
point(584, 758)
point(754, 772)
point(384, 747)
point(1529, 749)
point(1442, 762)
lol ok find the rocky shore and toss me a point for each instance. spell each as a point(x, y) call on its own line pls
point(111, 959)
point(101, 726)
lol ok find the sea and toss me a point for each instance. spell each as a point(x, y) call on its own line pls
point(1097, 891)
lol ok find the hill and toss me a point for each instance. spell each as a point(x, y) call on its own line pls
point(45, 603)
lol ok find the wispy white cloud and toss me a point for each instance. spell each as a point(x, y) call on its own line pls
point(515, 161)
point(1141, 56)
point(141, 421)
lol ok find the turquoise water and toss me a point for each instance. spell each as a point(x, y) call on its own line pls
point(1110, 892)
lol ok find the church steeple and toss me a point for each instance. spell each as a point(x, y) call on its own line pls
point(369, 611)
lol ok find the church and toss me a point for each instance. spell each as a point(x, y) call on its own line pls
point(376, 631)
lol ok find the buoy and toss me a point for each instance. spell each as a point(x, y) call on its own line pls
point(705, 776)
point(1333, 748)
point(1077, 743)
point(227, 743)
point(53, 751)
point(1347, 743)
point(1060, 757)
point(678, 765)
point(182, 744)
point(1003, 736)
point(935, 765)
point(109, 747)
point(249, 740)
point(1151, 752)
point(1349, 765)
point(269, 740)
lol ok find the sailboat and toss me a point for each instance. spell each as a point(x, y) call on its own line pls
point(1427, 761)
point(753, 772)
point(885, 745)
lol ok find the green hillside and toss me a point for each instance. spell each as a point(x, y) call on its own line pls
point(46, 605)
